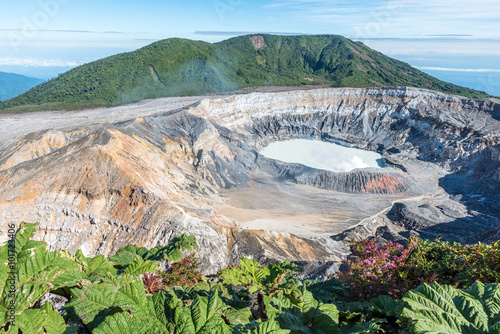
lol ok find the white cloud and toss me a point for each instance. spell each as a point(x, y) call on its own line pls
point(37, 62)
point(399, 18)
point(426, 47)
point(478, 70)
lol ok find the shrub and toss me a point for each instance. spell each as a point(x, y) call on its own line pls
point(184, 272)
point(453, 263)
point(377, 270)
point(152, 282)
point(393, 269)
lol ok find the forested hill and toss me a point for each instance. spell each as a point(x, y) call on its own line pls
point(180, 67)
point(12, 85)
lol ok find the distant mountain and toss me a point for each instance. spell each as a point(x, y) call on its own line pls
point(179, 67)
point(11, 85)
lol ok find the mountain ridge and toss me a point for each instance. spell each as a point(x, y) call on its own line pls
point(12, 84)
point(182, 67)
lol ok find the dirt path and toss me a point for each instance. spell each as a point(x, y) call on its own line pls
point(15, 126)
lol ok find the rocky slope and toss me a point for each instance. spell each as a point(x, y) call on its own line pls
point(101, 179)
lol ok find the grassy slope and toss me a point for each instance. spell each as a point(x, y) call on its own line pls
point(179, 67)
point(12, 85)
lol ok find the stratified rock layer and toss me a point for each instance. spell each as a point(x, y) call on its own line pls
point(101, 179)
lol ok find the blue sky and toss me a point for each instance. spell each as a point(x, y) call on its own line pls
point(454, 39)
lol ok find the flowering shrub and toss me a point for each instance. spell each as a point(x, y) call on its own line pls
point(377, 270)
point(152, 282)
point(393, 269)
point(184, 272)
point(454, 264)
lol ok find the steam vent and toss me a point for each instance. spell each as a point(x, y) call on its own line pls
point(139, 174)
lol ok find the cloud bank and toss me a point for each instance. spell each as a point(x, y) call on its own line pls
point(478, 70)
point(36, 62)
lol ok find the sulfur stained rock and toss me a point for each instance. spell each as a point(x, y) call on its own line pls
point(102, 179)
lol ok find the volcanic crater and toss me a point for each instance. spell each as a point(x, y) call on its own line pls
point(139, 174)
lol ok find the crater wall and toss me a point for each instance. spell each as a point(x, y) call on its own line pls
point(101, 179)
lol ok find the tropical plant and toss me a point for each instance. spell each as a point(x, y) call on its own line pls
point(256, 277)
point(173, 252)
point(393, 269)
point(453, 263)
point(184, 272)
point(153, 282)
point(444, 309)
point(28, 272)
point(126, 295)
point(377, 270)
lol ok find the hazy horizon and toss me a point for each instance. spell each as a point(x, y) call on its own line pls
point(451, 40)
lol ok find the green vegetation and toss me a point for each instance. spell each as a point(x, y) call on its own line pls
point(179, 67)
point(12, 85)
point(129, 293)
point(443, 309)
point(393, 270)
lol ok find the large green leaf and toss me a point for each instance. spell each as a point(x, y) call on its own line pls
point(362, 326)
point(248, 273)
point(160, 304)
point(444, 309)
point(23, 242)
point(44, 266)
point(95, 267)
point(123, 258)
point(305, 316)
point(116, 282)
point(327, 291)
point(182, 322)
point(54, 323)
point(20, 250)
point(132, 299)
point(203, 316)
point(268, 327)
point(70, 278)
point(279, 271)
point(139, 266)
point(178, 244)
point(122, 323)
point(385, 305)
point(39, 321)
point(28, 294)
point(204, 309)
point(172, 252)
point(238, 317)
point(35, 272)
point(29, 322)
point(92, 303)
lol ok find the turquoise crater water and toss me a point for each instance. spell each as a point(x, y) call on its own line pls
point(322, 155)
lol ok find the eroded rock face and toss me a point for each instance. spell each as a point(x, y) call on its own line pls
point(140, 179)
